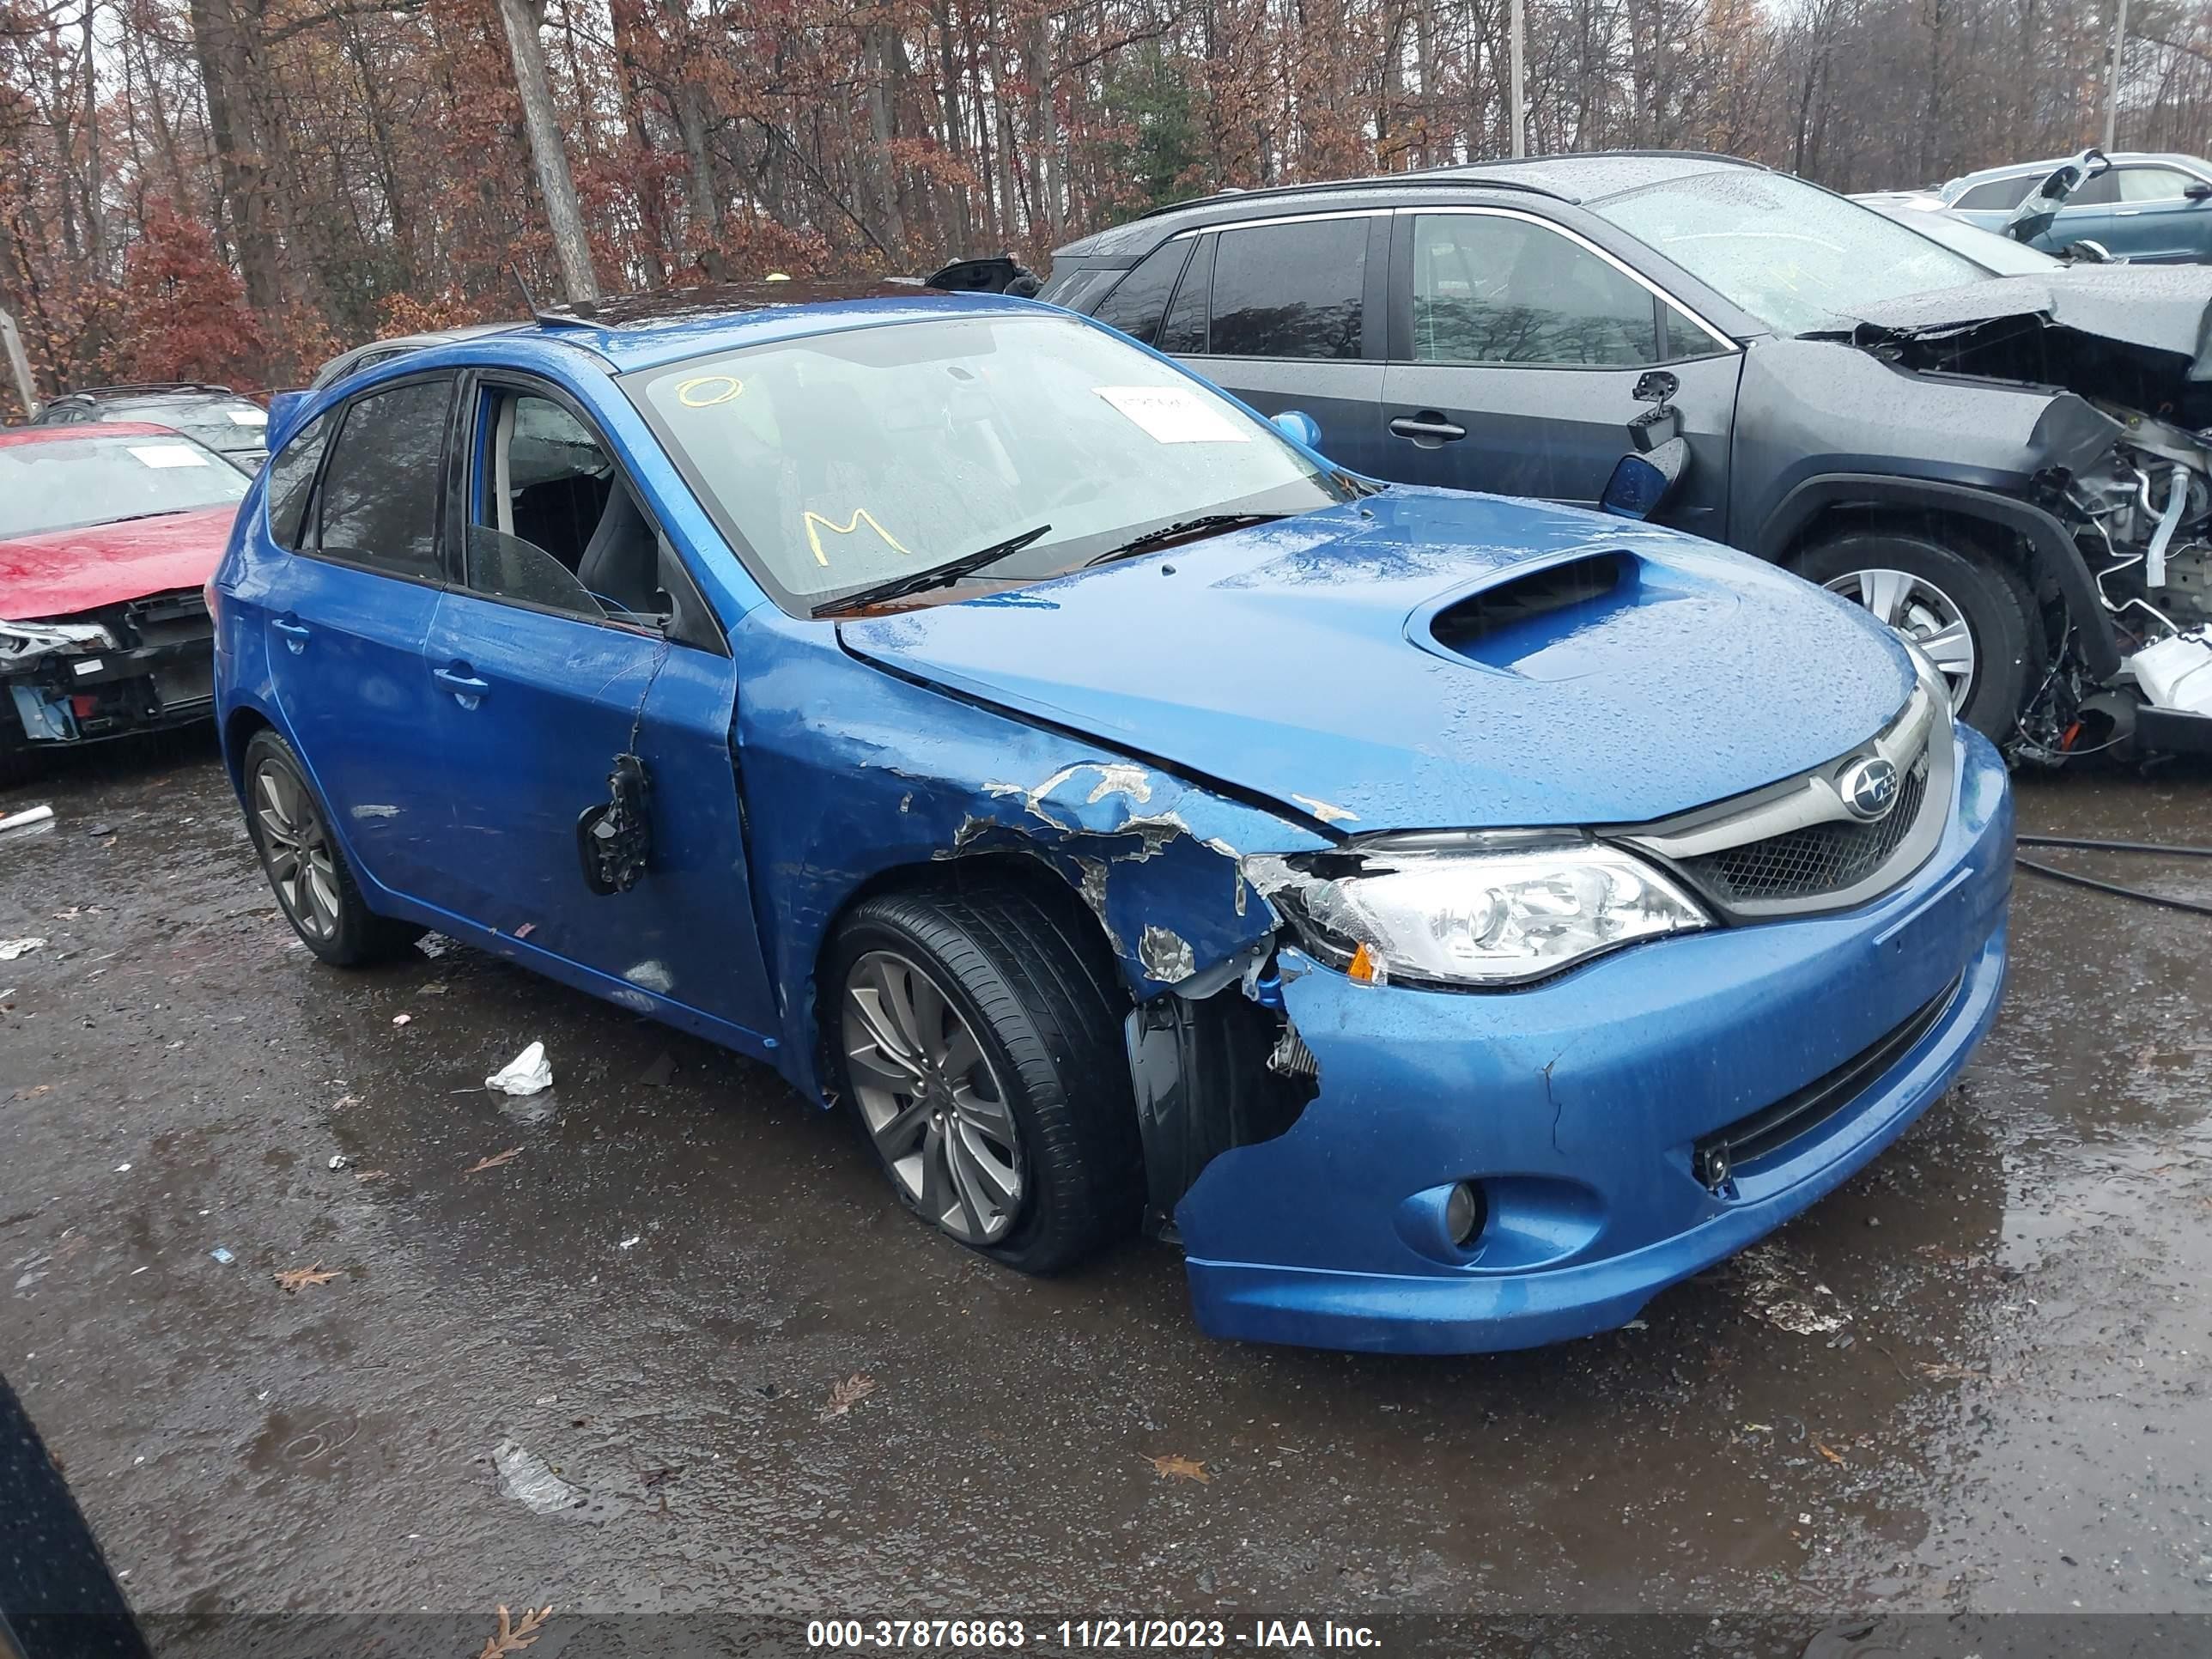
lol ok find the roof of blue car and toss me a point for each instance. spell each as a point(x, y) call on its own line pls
point(634, 335)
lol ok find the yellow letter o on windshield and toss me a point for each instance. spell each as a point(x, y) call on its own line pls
point(707, 390)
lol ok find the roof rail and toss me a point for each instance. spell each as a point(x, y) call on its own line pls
point(135, 388)
point(1456, 172)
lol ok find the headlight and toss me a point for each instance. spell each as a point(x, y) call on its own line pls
point(1500, 908)
point(31, 639)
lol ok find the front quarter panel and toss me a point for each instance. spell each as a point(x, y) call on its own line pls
point(851, 777)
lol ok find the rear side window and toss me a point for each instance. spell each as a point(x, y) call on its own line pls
point(292, 480)
point(378, 501)
point(2102, 191)
point(1138, 304)
point(1294, 290)
point(1997, 194)
point(1077, 287)
point(1184, 330)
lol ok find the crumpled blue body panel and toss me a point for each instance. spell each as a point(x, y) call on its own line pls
point(1579, 1101)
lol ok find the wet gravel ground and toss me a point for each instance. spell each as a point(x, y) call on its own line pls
point(1975, 1379)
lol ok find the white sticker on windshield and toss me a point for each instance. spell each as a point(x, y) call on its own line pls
point(1173, 415)
point(168, 454)
point(248, 416)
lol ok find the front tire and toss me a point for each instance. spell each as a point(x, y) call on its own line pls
point(978, 1035)
point(1972, 616)
point(305, 868)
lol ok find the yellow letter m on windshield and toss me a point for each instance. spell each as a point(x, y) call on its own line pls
point(816, 523)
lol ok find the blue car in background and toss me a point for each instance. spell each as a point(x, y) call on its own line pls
point(1454, 918)
point(2144, 208)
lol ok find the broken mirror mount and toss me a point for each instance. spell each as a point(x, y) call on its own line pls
point(612, 837)
point(1662, 421)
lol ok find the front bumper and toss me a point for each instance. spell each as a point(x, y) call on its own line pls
point(160, 673)
point(1579, 1105)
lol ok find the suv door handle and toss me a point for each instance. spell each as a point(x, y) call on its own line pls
point(461, 679)
point(1428, 428)
point(295, 635)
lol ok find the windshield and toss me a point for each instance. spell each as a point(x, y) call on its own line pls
point(2000, 254)
point(841, 460)
point(68, 483)
point(1792, 255)
point(225, 426)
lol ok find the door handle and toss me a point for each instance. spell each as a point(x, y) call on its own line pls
point(1428, 428)
point(461, 679)
point(294, 635)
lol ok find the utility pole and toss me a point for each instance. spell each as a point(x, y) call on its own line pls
point(2112, 76)
point(26, 389)
point(1516, 109)
point(564, 217)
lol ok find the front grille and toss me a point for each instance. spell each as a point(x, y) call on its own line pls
point(1821, 858)
point(1768, 1130)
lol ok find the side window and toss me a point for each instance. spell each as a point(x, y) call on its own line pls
point(378, 505)
point(1685, 338)
point(292, 478)
point(1138, 304)
point(552, 523)
point(1488, 288)
point(2152, 184)
point(2102, 191)
point(1077, 287)
point(1184, 330)
point(1294, 290)
point(1997, 195)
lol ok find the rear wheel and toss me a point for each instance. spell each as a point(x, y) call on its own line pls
point(978, 1035)
point(1966, 610)
point(305, 868)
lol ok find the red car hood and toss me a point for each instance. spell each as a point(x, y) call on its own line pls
point(62, 572)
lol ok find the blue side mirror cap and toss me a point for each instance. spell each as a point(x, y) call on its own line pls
point(1296, 423)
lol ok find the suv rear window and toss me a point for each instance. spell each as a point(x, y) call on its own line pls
point(1290, 290)
point(1997, 195)
point(1136, 307)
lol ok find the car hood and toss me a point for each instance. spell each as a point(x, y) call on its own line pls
point(2159, 308)
point(1409, 662)
point(58, 573)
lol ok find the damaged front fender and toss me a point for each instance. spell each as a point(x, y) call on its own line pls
point(851, 776)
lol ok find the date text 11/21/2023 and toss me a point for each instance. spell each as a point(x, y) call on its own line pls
point(1007, 1635)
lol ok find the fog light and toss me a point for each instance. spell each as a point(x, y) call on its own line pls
point(1464, 1213)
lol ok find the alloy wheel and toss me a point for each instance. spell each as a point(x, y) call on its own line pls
point(295, 849)
point(1916, 608)
point(931, 1099)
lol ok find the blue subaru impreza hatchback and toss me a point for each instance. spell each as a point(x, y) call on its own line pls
point(1454, 918)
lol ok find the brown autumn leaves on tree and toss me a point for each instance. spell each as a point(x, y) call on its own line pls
point(235, 188)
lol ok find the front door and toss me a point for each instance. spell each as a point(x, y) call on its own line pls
point(2154, 218)
point(575, 636)
point(353, 579)
point(1517, 351)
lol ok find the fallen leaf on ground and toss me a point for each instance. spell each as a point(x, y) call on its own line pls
point(1948, 1372)
point(369, 1175)
point(435, 987)
point(1171, 1467)
point(1827, 1452)
point(292, 1278)
point(654, 1477)
point(344, 1101)
point(512, 1637)
point(495, 1160)
point(848, 1393)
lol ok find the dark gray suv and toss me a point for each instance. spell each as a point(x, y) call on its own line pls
point(2009, 472)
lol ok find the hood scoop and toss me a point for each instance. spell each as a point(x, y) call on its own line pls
point(1497, 626)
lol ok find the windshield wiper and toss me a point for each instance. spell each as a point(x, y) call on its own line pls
point(922, 581)
point(1169, 532)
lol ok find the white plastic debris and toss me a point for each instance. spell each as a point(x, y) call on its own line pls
point(525, 1074)
point(533, 1482)
point(339, 1160)
point(631, 1243)
point(12, 948)
point(2176, 672)
point(222, 1255)
point(26, 818)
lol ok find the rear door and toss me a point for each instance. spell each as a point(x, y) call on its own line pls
point(352, 578)
point(1516, 349)
point(572, 636)
point(1287, 313)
